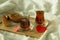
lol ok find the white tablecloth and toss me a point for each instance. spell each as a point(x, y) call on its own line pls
point(51, 8)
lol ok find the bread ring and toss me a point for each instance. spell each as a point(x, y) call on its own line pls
point(15, 17)
point(5, 22)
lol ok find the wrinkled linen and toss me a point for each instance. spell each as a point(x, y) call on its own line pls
point(51, 8)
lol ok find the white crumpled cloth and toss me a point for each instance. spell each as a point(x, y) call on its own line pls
point(51, 8)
